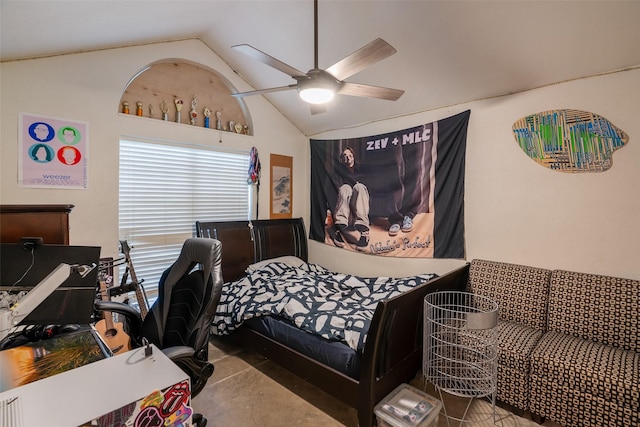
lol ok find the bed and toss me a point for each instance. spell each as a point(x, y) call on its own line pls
point(392, 352)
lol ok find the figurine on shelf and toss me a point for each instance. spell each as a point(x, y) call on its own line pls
point(231, 126)
point(139, 108)
point(125, 107)
point(207, 114)
point(164, 107)
point(219, 120)
point(151, 112)
point(245, 130)
point(179, 102)
point(193, 114)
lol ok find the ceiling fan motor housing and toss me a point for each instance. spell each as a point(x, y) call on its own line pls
point(318, 87)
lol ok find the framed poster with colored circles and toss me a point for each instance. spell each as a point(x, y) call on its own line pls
point(53, 152)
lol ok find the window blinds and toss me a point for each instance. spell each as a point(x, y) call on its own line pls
point(164, 189)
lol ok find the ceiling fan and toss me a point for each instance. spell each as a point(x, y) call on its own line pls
point(319, 86)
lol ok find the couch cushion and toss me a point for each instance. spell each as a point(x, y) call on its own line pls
point(587, 368)
point(603, 309)
point(571, 408)
point(520, 291)
point(515, 344)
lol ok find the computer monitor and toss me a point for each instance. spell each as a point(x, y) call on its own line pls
point(72, 301)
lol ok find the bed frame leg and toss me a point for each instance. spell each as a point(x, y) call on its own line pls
point(365, 417)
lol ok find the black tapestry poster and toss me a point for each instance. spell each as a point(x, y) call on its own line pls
point(397, 194)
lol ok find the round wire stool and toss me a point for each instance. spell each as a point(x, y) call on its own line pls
point(460, 347)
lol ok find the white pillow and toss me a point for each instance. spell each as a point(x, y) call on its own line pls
point(291, 260)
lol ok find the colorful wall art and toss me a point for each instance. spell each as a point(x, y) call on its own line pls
point(53, 152)
point(281, 186)
point(569, 140)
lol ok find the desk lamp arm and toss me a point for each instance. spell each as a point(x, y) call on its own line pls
point(21, 309)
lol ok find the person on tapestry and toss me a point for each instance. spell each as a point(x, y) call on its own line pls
point(352, 205)
point(413, 195)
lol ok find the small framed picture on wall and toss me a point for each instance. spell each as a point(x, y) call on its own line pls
point(281, 205)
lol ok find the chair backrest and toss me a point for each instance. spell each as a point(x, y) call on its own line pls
point(521, 291)
point(595, 307)
point(187, 298)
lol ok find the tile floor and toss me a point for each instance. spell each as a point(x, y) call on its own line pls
point(247, 390)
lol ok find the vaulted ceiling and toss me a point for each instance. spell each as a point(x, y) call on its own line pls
point(448, 52)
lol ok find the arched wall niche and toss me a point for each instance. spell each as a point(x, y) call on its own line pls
point(156, 91)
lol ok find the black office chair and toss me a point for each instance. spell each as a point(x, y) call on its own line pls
point(178, 322)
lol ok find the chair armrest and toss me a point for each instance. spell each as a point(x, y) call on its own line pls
point(178, 351)
point(133, 317)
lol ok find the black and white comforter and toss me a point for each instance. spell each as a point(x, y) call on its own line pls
point(334, 306)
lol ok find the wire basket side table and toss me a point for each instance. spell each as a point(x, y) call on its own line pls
point(460, 346)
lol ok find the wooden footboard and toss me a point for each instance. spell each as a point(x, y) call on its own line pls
point(393, 351)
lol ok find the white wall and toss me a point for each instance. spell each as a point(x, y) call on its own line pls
point(518, 211)
point(515, 210)
point(87, 87)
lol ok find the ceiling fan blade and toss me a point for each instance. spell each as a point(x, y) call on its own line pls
point(269, 60)
point(362, 58)
point(355, 89)
point(262, 91)
point(317, 109)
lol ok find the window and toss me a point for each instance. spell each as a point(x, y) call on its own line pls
point(164, 189)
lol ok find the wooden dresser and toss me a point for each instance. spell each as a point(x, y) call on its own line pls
point(51, 222)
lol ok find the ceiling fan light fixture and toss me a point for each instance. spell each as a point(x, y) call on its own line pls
point(318, 86)
point(316, 95)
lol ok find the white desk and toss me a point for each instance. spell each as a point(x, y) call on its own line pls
point(83, 394)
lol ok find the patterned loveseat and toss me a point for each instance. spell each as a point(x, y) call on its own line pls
point(586, 368)
point(568, 343)
point(521, 293)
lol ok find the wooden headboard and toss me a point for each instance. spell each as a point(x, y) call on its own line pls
point(246, 242)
